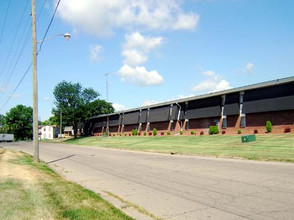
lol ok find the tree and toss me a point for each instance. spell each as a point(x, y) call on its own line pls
point(51, 121)
point(2, 122)
point(19, 121)
point(99, 107)
point(77, 104)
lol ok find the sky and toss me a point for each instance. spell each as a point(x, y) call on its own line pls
point(154, 51)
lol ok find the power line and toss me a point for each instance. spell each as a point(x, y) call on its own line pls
point(5, 18)
point(26, 39)
point(22, 78)
point(14, 38)
point(41, 10)
point(18, 58)
point(29, 67)
point(45, 35)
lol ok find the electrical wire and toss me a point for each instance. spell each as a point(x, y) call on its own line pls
point(22, 78)
point(17, 60)
point(45, 35)
point(19, 43)
point(29, 67)
point(4, 23)
point(14, 38)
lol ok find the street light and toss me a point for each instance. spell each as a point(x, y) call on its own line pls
point(66, 36)
point(35, 81)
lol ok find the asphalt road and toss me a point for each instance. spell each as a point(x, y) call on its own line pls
point(178, 187)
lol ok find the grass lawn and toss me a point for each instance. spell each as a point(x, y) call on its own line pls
point(34, 191)
point(274, 147)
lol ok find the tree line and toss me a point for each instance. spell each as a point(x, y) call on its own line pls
point(72, 102)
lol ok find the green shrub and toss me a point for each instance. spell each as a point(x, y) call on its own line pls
point(134, 132)
point(239, 131)
point(268, 126)
point(145, 133)
point(181, 132)
point(192, 132)
point(213, 130)
point(168, 133)
point(154, 131)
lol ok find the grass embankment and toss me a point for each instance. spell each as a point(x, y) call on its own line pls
point(34, 191)
point(273, 147)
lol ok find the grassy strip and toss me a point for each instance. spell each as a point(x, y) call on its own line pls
point(129, 204)
point(47, 196)
point(272, 147)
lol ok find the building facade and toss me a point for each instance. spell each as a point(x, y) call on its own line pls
point(246, 108)
point(48, 132)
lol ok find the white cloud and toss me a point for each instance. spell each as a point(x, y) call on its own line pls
point(96, 53)
point(15, 96)
point(102, 18)
point(46, 98)
point(212, 83)
point(136, 50)
point(140, 76)
point(137, 47)
point(118, 107)
point(149, 102)
point(249, 67)
point(186, 21)
point(2, 90)
point(184, 96)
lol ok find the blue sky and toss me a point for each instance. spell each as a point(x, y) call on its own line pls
point(155, 50)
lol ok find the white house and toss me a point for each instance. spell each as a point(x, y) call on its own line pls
point(48, 132)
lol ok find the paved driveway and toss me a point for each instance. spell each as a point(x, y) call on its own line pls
point(178, 187)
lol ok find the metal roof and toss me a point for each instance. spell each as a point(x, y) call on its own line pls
point(208, 95)
point(68, 128)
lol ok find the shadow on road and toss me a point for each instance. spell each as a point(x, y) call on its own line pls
point(63, 158)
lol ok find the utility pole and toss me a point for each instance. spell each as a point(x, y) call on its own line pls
point(61, 124)
point(35, 85)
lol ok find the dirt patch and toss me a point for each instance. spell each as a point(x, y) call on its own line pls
point(29, 180)
point(15, 171)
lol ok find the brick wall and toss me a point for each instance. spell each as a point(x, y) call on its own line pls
point(160, 126)
point(129, 128)
point(114, 129)
point(280, 120)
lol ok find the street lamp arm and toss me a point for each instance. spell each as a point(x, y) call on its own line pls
point(66, 37)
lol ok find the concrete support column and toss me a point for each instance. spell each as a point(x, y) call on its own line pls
point(241, 100)
point(222, 113)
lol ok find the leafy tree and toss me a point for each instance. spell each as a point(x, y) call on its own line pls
point(51, 121)
point(19, 121)
point(77, 104)
point(99, 107)
point(2, 122)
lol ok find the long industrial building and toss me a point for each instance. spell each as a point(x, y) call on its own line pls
point(246, 109)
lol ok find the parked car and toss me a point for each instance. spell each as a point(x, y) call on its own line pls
point(6, 137)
